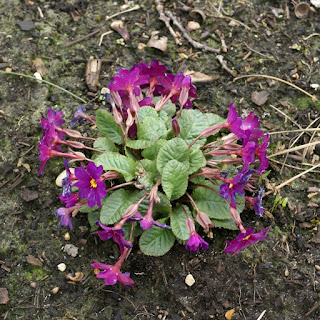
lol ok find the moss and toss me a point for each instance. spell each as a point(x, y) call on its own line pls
point(33, 273)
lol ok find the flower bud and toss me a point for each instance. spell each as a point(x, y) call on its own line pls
point(175, 127)
point(204, 220)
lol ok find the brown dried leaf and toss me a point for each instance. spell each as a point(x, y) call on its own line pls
point(316, 237)
point(92, 73)
point(38, 66)
point(158, 43)
point(4, 297)
point(34, 261)
point(260, 98)
point(78, 276)
point(199, 77)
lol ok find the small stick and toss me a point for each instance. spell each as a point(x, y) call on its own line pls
point(135, 7)
point(314, 99)
point(296, 177)
point(311, 35)
point(292, 167)
point(166, 21)
point(294, 149)
point(194, 43)
point(225, 67)
point(68, 44)
point(297, 130)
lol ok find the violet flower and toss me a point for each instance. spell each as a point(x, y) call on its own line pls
point(235, 186)
point(195, 241)
point(79, 116)
point(67, 180)
point(116, 235)
point(65, 216)
point(54, 117)
point(112, 274)
point(245, 240)
point(257, 203)
point(89, 184)
point(248, 154)
point(261, 153)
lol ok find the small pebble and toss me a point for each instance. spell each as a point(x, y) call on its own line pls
point(317, 267)
point(190, 280)
point(62, 267)
point(67, 236)
point(55, 290)
point(33, 284)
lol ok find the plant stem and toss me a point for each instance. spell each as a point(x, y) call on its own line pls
point(44, 81)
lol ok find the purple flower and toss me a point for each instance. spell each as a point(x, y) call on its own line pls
point(78, 116)
point(65, 217)
point(69, 200)
point(257, 203)
point(249, 125)
point(244, 240)
point(54, 117)
point(229, 189)
point(128, 81)
point(115, 234)
point(196, 242)
point(67, 180)
point(146, 222)
point(234, 122)
point(261, 153)
point(248, 154)
point(112, 274)
point(89, 184)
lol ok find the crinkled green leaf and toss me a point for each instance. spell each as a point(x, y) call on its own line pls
point(174, 179)
point(152, 152)
point(175, 149)
point(117, 162)
point(156, 241)
point(213, 119)
point(105, 144)
point(211, 202)
point(147, 111)
point(178, 222)
point(151, 129)
point(139, 144)
point(192, 123)
point(93, 216)
point(107, 126)
point(148, 173)
point(115, 206)
point(226, 224)
point(164, 206)
point(196, 160)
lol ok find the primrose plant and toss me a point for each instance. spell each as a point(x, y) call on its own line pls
point(160, 170)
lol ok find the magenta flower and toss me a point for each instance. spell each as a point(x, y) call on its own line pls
point(245, 240)
point(116, 234)
point(128, 81)
point(196, 242)
point(234, 122)
point(261, 153)
point(235, 186)
point(69, 200)
point(89, 184)
point(53, 117)
point(112, 274)
point(248, 154)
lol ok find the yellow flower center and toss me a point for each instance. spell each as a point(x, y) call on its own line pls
point(230, 185)
point(246, 238)
point(93, 183)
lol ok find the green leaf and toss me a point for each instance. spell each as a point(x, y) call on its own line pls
point(93, 216)
point(174, 179)
point(196, 159)
point(152, 152)
point(147, 111)
point(175, 149)
point(163, 116)
point(170, 108)
point(211, 202)
point(107, 126)
point(151, 129)
point(139, 144)
point(105, 144)
point(115, 161)
point(148, 175)
point(192, 123)
point(156, 241)
point(164, 206)
point(178, 222)
point(226, 224)
point(115, 206)
point(213, 119)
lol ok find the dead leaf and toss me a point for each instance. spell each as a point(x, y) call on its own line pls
point(120, 27)
point(26, 25)
point(158, 43)
point(92, 73)
point(316, 237)
point(78, 276)
point(71, 250)
point(199, 77)
point(4, 297)
point(259, 98)
point(34, 261)
point(29, 195)
point(38, 66)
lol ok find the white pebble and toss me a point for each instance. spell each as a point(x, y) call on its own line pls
point(62, 267)
point(189, 280)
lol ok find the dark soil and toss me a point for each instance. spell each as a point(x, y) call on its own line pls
point(278, 279)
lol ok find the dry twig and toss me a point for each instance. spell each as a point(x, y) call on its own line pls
point(314, 99)
point(225, 67)
point(166, 21)
point(194, 43)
